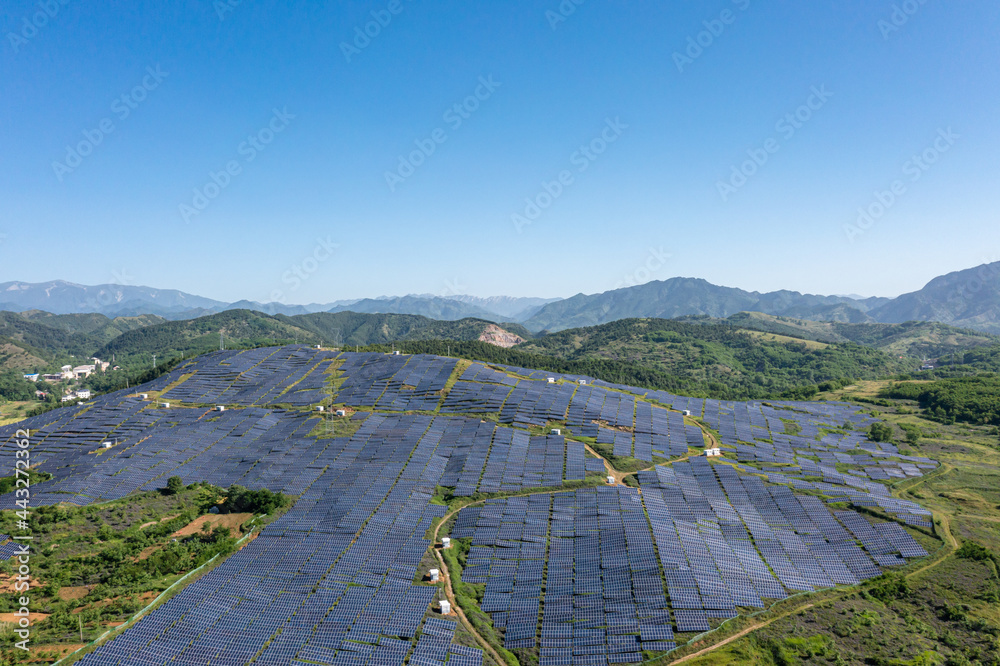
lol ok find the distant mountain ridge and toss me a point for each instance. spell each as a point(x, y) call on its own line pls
point(967, 299)
point(678, 297)
point(444, 309)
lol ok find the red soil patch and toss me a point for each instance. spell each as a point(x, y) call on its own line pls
point(12, 618)
point(77, 592)
point(230, 520)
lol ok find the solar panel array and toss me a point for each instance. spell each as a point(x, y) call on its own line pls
point(586, 566)
point(593, 576)
point(265, 376)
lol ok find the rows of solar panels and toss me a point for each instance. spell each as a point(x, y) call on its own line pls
point(586, 566)
point(332, 581)
point(826, 435)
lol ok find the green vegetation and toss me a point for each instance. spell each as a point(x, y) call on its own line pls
point(880, 432)
point(469, 597)
point(9, 483)
point(241, 500)
point(914, 339)
point(716, 360)
point(14, 387)
point(967, 399)
point(174, 485)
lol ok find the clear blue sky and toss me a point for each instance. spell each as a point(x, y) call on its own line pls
point(448, 227)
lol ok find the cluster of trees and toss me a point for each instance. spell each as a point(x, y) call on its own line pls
point(14, 387)
point(242, 500)
point(967, 399)
point(237, 498)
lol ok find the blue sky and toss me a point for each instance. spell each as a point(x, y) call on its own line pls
point(654, 195)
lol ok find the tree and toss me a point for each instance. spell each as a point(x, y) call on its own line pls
point(174, 485)
point(880, 432)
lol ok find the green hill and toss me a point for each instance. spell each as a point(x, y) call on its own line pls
point(353, 328)
point(718, 358)
point(238, 328)
point(916, 339)
point(50, 344)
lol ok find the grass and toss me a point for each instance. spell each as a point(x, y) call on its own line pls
point(625, 463)
point(774, 337)
point(12, 412)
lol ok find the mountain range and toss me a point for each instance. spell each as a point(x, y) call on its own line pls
point(968, 299)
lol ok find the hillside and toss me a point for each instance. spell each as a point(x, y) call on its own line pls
point(238, 328)
point(968, 298)
point(914, 339)
point(97, 326)
point(355, 328)
point(44, 341)
point(718, 358)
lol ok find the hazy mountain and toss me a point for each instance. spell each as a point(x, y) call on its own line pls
point(444, 309)
point(675, 298)
point(511, 307)
point(60, 297)
point(268, 308)
point(968, 298)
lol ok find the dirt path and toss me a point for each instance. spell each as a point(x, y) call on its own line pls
point(449, 592)
point(740, 634)
point(611, 471)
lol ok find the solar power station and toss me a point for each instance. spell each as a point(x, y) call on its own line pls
point(592, 575)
